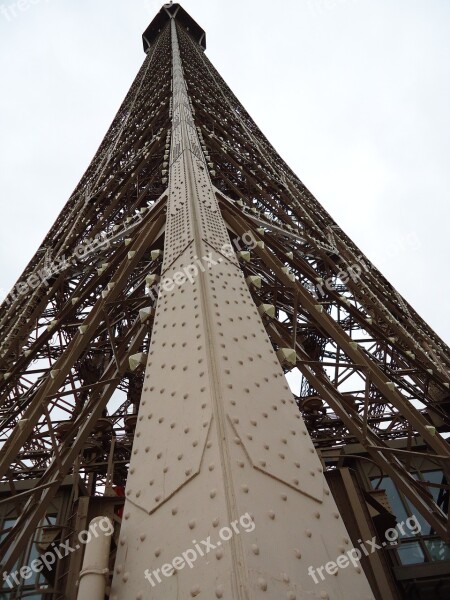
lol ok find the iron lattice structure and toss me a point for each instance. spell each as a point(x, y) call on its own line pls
point(370, 369)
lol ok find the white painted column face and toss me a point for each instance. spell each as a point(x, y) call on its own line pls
point(226, 497)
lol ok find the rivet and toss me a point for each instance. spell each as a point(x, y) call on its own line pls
point(219, 554)
point(157, 552)
point(174, 510)
point(262, 584)
point(191, 524)
point(195, 591)
point(298, 554)
point(271, 515)
point(255, 549)
point(308, 532)
point(219, 591)
point(212, 493)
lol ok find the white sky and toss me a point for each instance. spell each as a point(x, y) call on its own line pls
point(354, 95)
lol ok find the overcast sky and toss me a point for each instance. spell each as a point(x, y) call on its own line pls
point(354, 95)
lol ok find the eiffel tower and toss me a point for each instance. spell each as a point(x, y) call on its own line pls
point(143, 354)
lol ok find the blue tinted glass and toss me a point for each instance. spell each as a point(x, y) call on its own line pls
point(438, 549)
point(433, 477)
point(410, 553)
point(398, 508)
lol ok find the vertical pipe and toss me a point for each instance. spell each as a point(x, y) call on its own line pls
point(93, 575)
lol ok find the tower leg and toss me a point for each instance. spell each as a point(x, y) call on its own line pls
point(226, 497)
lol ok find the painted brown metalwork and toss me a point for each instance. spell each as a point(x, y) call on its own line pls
point(78, 324)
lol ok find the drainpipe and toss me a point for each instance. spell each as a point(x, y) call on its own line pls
point(94, 574)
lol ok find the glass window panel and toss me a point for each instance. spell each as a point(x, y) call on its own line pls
point(410, 553)
point(425, 527)
point(394, 498)
point(8, 524)
point(433, 477)
point(438, 549)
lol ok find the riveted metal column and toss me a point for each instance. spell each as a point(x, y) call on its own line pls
point(222, 466)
